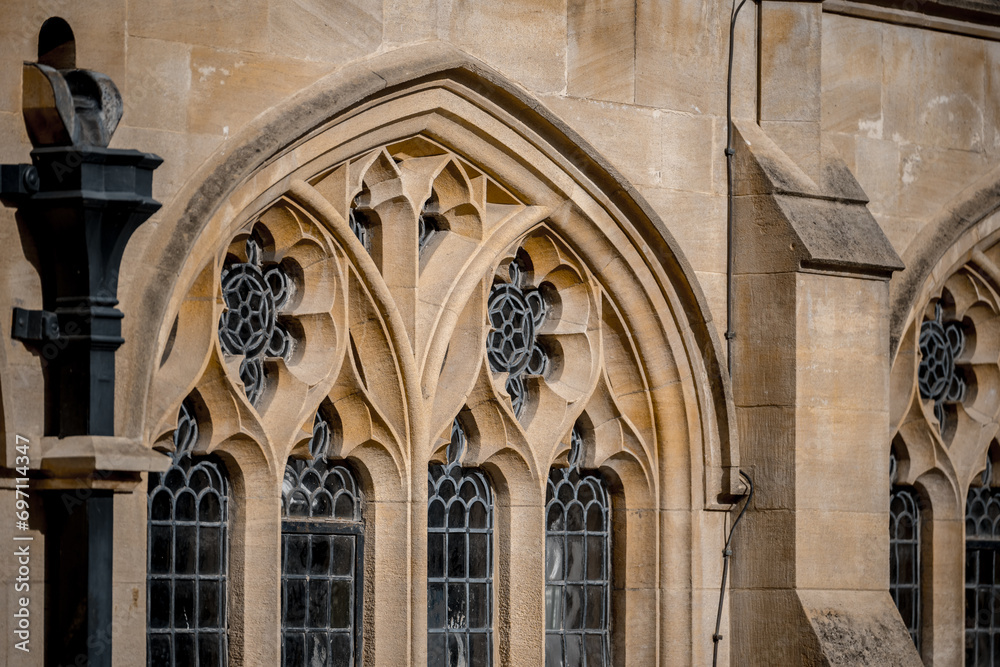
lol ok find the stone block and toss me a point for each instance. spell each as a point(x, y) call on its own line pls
point(629, 137)
point(878, 172)
point(225, 24)
point(852, 76)
point(408, 20)
point(767, 542)
point(681, 57)
point(768, 627)
point(767, 446)
point(228, 89)
point(800, 140)
point(600, 58)
point(765, 339)
point(329, 31)
point(156, 91)
point(524, 39)
point(931, 178)
point(842, 550)
point(790, 67)
point(934, 92)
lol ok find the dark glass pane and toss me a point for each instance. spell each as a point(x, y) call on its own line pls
point(343, 555)
point(209, 603)
point(161, 549)
point(435, 649)
point(159, 650)
point(340, 603)
point(574, 517)
point(435, 555)
point(478, 606)
point(344, 508)
point(210, 508)
point(435, 606)
point(160, 506)
point(296, 554)
point(319, 604)
point(594, 645)
point(322, 505)
point(435, 514)
point(478, 555)
point(456, 554)
point(555, 519)
point(320, 557)
point(458, 651)
point(342, 649)
point(298, 505)
point(209, 551)
point(185, 541)
point(295, 602)
point(479, 649)
point(184, 604)
point(209, 650)
point(184, 649)
point(477, 515)
point(184, 506)
point(595, 518)
point(294, 649)
point(159, 604)
point(456, 516)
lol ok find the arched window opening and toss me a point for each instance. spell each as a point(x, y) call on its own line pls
point(904, 551)
point(982, 562)
point(322, 548)
point(459, 562)
point(577, 565)
point(187, 557)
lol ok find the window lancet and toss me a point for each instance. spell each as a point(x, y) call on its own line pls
point(187, 559)
point(577, 565)
point(516, 313)
point(322, 533)
point(904, 551)
point(982, 562)
point(459, 562)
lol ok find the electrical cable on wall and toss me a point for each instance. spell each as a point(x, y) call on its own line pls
point(730, 152)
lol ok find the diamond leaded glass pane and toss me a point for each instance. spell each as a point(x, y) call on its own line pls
point(577, 566)
point(322, 549)
point(187, 557)
point(459, 563)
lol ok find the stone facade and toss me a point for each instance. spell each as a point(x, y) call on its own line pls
point(393, 160)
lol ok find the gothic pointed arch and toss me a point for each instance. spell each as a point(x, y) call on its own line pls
point(403, 243)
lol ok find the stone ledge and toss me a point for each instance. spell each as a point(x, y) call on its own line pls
point(98, 462)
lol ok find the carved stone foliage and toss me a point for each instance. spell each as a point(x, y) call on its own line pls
point(946, 377)
point(398, 288)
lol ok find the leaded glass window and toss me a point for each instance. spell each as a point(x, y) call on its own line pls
point(360, 221)
point(459, 562)
point(187, 557)
point(322, 534)
point(982, 563)
point(904, 552)
point(516, 313)
point(577, 565)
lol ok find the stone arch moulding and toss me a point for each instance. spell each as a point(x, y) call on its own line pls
point(947, 430)
point(644, 288)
